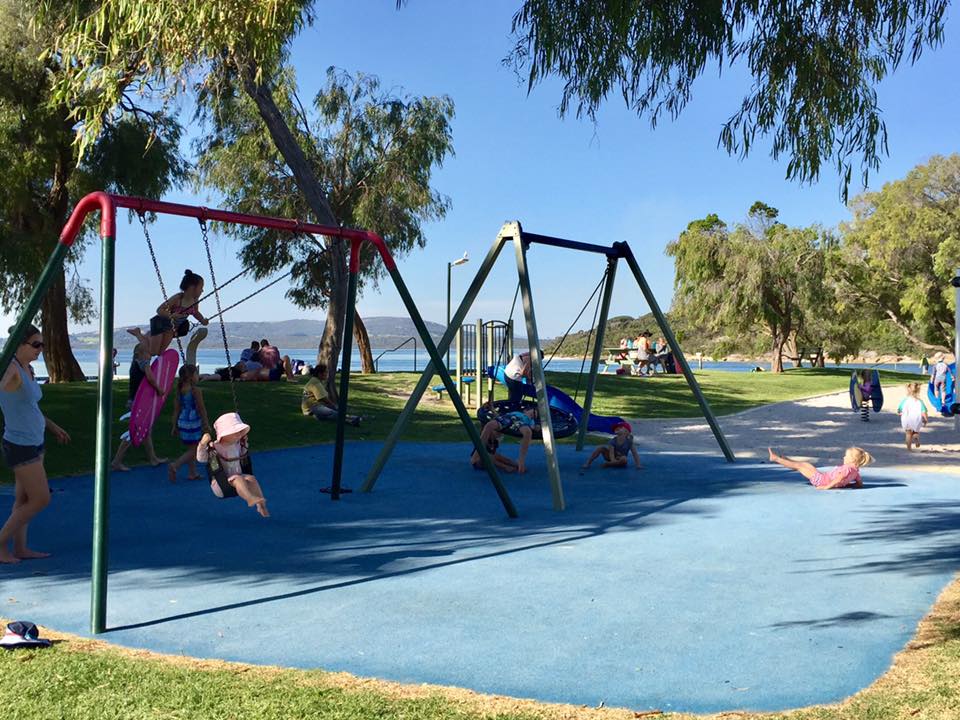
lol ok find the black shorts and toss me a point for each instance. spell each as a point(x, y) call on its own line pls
point(276, 373)
point(19, 455)
point(159, 324)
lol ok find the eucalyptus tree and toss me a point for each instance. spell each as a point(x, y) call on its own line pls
point(760, 277)
point(132, 150)
point(371, 151)
point(900, 250)
point(813, 66)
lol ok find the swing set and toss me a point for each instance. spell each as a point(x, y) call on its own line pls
point(107, 204)
point(512, 232)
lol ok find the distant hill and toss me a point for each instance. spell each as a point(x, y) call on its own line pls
point(385, 332)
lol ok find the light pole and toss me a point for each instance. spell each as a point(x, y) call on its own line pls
point(458, 261)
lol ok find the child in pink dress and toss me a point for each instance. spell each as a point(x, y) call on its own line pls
point(845, 475)
point(229, 462)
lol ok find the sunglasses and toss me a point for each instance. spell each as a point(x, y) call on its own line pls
point(38, 345)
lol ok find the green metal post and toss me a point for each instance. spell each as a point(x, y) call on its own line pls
point(437, 359)
point(427, 376)
point(33, 304)
point(678, 355)
point(101, 487)
point(539, 379)
point(345, 362)
point(597, 351)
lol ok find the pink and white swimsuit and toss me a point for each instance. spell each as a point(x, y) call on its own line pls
point(846, 474)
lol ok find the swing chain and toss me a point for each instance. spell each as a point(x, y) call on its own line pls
point(593, 327)
point(156, 267)
point(223, 327)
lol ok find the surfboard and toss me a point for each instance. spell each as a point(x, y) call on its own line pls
point(876, 392)
point(946, 409)
point(856, 397)
point(147, 404)
point(198, 335)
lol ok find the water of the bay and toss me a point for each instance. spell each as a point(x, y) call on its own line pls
point(404, 361)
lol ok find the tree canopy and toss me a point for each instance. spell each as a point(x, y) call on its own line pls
point(901, 249)
point(814, 66)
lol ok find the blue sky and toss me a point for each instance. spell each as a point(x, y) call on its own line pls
point(615, 179)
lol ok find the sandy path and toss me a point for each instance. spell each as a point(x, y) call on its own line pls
point(817, 429)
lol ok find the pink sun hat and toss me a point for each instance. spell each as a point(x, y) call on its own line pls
point(230, 424)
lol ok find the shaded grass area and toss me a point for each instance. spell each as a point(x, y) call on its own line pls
point(273, 409)
point(86, 679)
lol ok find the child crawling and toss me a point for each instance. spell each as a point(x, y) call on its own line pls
point(229, 459)
point(843, 475)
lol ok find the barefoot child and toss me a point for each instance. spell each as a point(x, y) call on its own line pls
point(615, 452)
point(140, 372)
point(189, 420)
point(938, 376)
point(841, 476)
point(230, 462)
point(491, 435)
point(171, 318)
point(913, 415)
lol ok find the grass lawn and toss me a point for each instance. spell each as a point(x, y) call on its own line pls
point(89, 680)
point(273, 409)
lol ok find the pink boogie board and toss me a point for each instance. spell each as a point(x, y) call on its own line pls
point(147, 404)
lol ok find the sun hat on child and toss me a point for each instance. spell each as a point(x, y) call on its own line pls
point(623, 424)
point(230, 424)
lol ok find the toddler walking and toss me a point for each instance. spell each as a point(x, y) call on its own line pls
point(913, 415)
point(189, 421)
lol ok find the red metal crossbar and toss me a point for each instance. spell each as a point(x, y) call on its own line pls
point(108, 203)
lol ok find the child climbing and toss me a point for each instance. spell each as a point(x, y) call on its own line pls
point(171, 318)
point(491, 435)
point(913, 415)
point(841, 476)
point(229, 462)
point(615, 452)
point(938, 376)
point(189, 421)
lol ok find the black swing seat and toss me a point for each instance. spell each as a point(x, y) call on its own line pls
point(216, 473)
point(564, 424)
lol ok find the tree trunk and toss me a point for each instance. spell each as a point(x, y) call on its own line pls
point(62, 366)
point(363, 345)
point(776, 362)
point(286, 143)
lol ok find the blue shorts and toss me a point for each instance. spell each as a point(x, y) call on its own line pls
point(276, 373)
point(19, 455)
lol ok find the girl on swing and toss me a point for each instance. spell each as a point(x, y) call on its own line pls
point(171, 318)
point(229, 462)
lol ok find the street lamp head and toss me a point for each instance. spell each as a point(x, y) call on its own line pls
point(460, 261)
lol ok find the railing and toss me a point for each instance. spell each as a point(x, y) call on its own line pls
point(376, 360)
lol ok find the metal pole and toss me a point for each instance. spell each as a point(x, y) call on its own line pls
point(678, 355)
point(448, 383)
point(449, 267)
point(33, 304)
point(427, 376)
point(956, 343)
point(539, 379)
point(597, 351)
point(345, 362)
point(101, 487)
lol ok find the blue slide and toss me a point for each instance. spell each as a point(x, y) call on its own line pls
point(560, 400)
point(946, 409)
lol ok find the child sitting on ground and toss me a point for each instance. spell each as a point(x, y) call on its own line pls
point(843, 475)
point(490, 436)
point(615, 452)
point(189, 421)
point(230, 467)
point(314, 400)
point(913, 415)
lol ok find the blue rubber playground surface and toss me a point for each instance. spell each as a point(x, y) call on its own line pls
point(688, 585)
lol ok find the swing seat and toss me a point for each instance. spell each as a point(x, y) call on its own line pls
point(564, 423)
